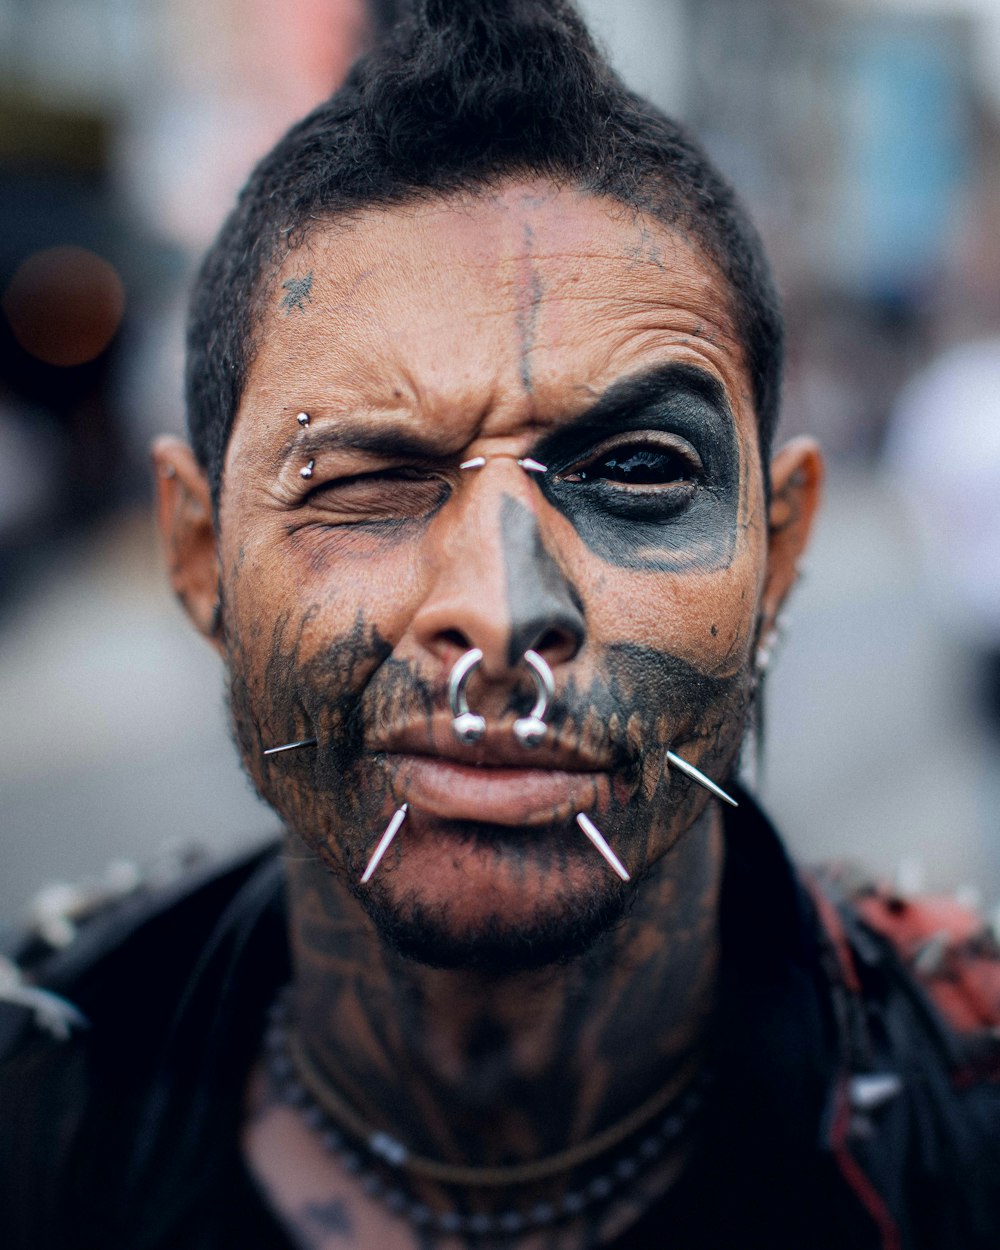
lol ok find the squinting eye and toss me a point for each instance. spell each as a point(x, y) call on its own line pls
point(394, 494)
point(640, 466)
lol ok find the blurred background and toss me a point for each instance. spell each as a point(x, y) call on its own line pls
point(865, 136)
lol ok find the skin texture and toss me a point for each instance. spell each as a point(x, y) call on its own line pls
point(496, 994)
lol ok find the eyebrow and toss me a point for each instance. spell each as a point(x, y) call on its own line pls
point(636, 393)
point(362, 435)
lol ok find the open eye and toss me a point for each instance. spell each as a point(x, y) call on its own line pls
point(639, 465)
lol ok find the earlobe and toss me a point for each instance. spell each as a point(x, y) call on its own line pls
point(187, 530)
point(796, 482)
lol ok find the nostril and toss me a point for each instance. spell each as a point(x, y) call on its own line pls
point(555, 642)
point(455, 638)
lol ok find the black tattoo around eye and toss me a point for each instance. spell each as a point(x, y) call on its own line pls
point(328, 1218)
point(298, 293)
point(670, 531)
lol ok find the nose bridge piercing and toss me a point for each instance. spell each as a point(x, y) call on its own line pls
point(469, 727)
point(527, 463)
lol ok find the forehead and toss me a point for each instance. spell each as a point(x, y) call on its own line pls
point(487, 313)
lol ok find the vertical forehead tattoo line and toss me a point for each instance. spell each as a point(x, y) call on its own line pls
point(529, 299)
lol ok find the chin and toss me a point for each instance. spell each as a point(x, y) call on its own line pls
point(553, 932)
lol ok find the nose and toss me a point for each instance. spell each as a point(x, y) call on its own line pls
point(497, 586)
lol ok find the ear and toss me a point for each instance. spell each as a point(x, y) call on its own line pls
point(796, 481)
point(184, 518)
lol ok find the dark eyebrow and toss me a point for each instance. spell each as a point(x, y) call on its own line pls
point(635, 394)
point(364, 436)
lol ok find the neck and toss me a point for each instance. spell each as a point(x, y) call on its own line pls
point(477, 1070)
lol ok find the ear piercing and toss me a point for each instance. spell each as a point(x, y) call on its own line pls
point(469, 727)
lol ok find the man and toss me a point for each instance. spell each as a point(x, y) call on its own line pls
point(482, 519)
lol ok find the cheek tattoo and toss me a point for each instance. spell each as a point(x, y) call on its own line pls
point(667, 699)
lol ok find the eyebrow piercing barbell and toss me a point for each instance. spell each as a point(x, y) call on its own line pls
point(308, 470)
point(303, 419)
point(469, 727)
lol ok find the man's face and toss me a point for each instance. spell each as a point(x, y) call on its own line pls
point(535, 323)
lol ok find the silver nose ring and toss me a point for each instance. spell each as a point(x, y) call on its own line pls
point(468, 727)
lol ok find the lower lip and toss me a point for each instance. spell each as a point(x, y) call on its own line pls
point(500, 796)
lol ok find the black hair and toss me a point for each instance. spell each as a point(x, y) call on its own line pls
point(461, 96)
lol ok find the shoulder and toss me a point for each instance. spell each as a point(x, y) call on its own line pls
point(916, 985)
point(88, 1002)
point(83, 944)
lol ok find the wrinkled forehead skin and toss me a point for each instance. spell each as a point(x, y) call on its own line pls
point(532, 321)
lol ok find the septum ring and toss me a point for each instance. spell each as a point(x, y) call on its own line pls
point(469, 727)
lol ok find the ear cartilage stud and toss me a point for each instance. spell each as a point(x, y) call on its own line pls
point(303, 419)
point(701, 779)
point(391, 830)
point(532, 466)
point(476, 462)
point(291, 746)
point(308, 470)
point(597, 838)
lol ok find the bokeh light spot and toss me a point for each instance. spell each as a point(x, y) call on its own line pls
point(64, 305)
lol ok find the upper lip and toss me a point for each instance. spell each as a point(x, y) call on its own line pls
point(497, 749)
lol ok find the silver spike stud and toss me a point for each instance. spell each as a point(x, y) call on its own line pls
point(532, 466)
point(291, 746)
point(303, 419)
point(698, 776)
point(597, 838)
point(476, 462)
point(391, 830)
point(307, 472)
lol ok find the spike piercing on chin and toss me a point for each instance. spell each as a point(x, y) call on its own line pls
point(597, 838)
point(391, 830)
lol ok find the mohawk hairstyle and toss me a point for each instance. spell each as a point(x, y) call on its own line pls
point(461, 96)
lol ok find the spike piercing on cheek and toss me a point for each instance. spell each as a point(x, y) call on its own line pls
point(291, 746)
point(391, 830)
point(700, 778)
point(597, 838)
point(303, 419)
point(307, 472)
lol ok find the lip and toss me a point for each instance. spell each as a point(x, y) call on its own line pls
point(522, 796)
point(494, 781)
